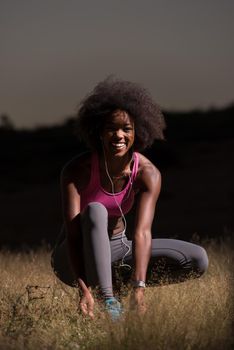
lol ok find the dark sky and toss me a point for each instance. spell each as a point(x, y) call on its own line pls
point(53, 52)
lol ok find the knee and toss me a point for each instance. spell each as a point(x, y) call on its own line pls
point(95, 214)
point(201, 262)
point(95, 210)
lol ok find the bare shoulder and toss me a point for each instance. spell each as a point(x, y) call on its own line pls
point(77, 170)
point(148, 175)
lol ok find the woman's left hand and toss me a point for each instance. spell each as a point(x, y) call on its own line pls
point(137, 300)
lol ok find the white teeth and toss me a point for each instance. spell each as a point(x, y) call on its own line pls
point(119, 145)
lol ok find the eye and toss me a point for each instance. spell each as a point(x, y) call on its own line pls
point(128, 129)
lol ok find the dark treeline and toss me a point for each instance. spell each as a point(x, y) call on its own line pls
point(197, 152)
point(51, 146)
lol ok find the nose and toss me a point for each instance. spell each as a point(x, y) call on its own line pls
point(119, 134)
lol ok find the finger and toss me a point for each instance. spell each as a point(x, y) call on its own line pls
point(90, 310)
point(91, 314)
point(83, 308)
point(142, 309)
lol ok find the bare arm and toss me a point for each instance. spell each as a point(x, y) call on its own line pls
point(71, 213)
point(150, 189)
point(150, 185)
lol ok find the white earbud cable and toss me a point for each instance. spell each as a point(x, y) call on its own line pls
point(121, 212)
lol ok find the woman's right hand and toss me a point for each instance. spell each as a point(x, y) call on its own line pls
point(87, 304)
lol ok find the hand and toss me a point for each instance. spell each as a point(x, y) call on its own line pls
point(137, 300)
point(87, 304)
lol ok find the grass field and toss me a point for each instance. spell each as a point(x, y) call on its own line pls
point(39, 312)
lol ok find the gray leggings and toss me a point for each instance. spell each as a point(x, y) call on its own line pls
point(172, 259)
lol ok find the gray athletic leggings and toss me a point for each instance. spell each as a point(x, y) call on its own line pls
point(172, 259)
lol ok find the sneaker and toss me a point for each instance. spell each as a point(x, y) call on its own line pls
point(113, 307)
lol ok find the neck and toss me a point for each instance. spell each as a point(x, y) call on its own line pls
point(118, 165)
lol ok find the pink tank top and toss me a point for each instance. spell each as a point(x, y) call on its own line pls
point(95, 193)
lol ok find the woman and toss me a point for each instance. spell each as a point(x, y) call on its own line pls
point(116, 121)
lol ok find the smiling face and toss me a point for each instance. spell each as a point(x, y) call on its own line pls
point(118, 134)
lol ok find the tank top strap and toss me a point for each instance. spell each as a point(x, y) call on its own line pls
point(135, 166)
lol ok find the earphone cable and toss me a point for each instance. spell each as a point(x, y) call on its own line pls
point(121, 212)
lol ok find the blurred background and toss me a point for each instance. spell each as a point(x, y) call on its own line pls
point(54, 52)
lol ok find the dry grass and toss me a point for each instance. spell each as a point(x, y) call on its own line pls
point(197, 314)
